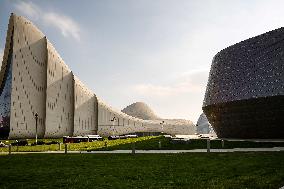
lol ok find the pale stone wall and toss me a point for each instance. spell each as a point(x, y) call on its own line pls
point(85, 119)
point(28, 80)
point(59, 96)
point(123, 123)
point(105, 125)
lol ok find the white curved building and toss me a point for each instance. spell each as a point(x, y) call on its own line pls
point(35, 79)
point(203, 126)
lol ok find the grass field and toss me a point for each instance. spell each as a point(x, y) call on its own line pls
point(198, 170)
point(141, 143)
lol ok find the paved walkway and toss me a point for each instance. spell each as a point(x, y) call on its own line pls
point(275, 149)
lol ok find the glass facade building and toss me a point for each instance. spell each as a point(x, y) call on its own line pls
point(245, 91)
point(5, 98)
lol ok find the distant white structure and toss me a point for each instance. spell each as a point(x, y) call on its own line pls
point(203, 126)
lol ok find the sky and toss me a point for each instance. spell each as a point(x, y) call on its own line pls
point(155, 51)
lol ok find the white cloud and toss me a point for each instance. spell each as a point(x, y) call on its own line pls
point(63, 23)
point(154, 90)
point(66, 25)
point(184, 83)
point(29, 9)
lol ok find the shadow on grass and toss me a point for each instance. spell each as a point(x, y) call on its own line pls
point(167, 144)
point(145, 143)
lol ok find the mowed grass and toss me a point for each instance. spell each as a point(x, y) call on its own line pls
point(152, 143)
point(192, 170)
point(84, 146)
point(141, 143)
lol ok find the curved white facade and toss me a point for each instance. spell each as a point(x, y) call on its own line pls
point(28, 92)
point(35, 79)
point(85, 114)
point(59, 96)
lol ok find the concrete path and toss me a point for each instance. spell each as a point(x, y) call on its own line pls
point(275, 149)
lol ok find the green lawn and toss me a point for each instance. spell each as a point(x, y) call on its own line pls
point(166, 144)
point(197, 170)
point(141, 143)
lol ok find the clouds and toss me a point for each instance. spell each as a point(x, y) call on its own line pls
point(152, 51)
point(29, 9)
point(66, 25)
point(61, 22)
point(181, 96)
point(185, 83)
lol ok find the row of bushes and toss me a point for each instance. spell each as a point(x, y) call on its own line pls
point(26, 143)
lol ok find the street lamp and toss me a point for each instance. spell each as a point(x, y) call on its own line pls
point(162, 125)
point(113, 120)
point(36, 118)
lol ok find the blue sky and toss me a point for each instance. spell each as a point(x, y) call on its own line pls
point(155, 51)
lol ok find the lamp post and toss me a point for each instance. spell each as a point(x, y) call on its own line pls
point(162, 125)
point(112, 120)
point(36, 118)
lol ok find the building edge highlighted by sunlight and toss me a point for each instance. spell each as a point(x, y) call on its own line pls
point(35, 79)
point(245, 91)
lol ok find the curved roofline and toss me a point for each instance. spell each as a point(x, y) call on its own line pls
point(245, 40)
